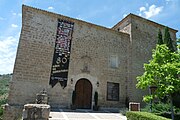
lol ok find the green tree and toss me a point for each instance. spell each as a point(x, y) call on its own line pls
point(178, 40)
point(160, 39)
point(168, 41)
point(161, 72)
point(178, 43)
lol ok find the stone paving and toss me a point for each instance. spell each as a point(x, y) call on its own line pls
point(62, 114)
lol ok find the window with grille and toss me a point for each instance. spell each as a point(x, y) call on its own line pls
point(112, 91)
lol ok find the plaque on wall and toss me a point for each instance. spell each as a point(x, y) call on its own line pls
point(62, 50)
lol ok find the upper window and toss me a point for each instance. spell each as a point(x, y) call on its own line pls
point(113, 61)
point(112, 91)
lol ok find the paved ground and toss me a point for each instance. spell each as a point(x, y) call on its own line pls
point(85, 115)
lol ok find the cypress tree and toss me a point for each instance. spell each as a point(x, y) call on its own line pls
point(160, 39)
point(167, 40)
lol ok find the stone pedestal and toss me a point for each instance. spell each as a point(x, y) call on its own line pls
point(36, 112)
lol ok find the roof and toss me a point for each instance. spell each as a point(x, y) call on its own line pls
point(25, 7)
point(142, 19)
point(98, 26)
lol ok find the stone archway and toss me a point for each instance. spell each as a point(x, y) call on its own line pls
point(83, 90)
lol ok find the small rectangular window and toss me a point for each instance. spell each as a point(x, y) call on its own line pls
point(112, 91)
point(113, 61)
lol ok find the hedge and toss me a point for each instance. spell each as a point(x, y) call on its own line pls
point(143, 116)
point(168, 115)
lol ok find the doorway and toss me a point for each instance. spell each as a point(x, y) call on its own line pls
point(83, 90)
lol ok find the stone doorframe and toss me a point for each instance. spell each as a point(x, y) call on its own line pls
point(92, 79)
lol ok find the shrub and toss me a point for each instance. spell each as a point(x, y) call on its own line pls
point(73, 97)
point(176, 99)
point(158, 108)
point(127, 102)
point(143, 116)
point(168, 115)
point(161, 107)
point(1, 112)
point(3, 101)
point(96, 98)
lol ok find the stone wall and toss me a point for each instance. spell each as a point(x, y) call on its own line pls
point(143, 38)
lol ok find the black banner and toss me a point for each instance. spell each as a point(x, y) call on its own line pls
point(60, 64)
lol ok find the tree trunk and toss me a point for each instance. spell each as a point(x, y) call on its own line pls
point(172, 110)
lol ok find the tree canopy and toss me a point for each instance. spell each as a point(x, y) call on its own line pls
point(167, 40)
point(160, 39)
point(161, 72)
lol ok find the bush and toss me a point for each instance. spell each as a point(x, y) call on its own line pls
point(96, 98)
point(73, 97)
point(176, 98)
point(168, 115)
point(143, 116)
point(159, 108)
point(163, 109)
point(1, 112)
point(3, 101)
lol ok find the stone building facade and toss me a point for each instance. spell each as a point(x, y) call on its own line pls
point(103, 60)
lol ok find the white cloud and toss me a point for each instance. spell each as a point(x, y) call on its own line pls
point(50, 8)
point(124, 15)
point(151, 12)
point(14, 25)
point(142, 9)
point(8, 46)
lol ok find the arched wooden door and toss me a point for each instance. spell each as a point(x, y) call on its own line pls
point(83, 90)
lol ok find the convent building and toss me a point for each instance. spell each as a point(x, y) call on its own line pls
point(60, 55)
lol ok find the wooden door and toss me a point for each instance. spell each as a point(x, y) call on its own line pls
point(83, 90)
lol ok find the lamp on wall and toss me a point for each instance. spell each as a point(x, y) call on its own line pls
point(71, 81)
point(97, 84)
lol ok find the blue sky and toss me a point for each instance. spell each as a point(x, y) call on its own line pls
point(102, 12)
